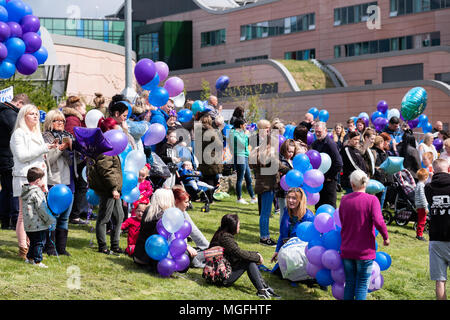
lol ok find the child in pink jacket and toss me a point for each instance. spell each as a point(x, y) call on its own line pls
point(133, 224)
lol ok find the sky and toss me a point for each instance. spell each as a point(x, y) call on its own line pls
point(74, 8)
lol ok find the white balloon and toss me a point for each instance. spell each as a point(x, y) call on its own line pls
point(325, 165)
point(179, 100)
point(172, 219)
point(135, 161)
point(83, 174)
point(393, 113)
point(92, 118)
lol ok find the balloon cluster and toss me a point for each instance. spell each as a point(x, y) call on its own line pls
point(322, 115)
point(20, 40)
point(169, 245)
point(308, 173)
point(133, 161)
point(323, 252)
point(151, 74)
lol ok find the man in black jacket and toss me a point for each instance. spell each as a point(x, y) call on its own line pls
point(438, 196)
point(325, 144)
point(9, 206)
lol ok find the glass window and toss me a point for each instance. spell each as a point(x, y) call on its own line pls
point(59, 24)
point(409, 42)
point(300, 23)
point(313, 54)
point(337, 51)
point(293, 21)
point(408, 6)
point(350, 15)
point(287, 25)
point(435, 4)
point(373, 46)
point(344, 16)
point(435, 38)
point(337, 16)
point(401, 7)
point(312, 20)
point(306, 23)
point(357, 13)
point(287, 55)
point(357, 49)
point(394, 44)
point(383, 45)
point(393, 6)
point(365, 48)
point(426, 5)
point(350, 50)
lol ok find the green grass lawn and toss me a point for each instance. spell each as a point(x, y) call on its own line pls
point(103, 277)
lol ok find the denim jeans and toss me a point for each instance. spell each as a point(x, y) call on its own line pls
point(357, 276)
point(266, 209)
point(80, 205)
point(37, 242)
point(243, 171)
point(252, 272)
point(281, 205)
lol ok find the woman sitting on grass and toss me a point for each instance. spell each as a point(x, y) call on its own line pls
point(240, 260)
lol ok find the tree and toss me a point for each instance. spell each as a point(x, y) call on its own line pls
point(206, 90)
point(40, 95)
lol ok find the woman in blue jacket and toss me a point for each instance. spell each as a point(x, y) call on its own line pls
point(294, 214)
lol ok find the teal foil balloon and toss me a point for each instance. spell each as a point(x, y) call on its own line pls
point(414, 103)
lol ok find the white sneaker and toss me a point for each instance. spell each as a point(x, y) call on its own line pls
point(40, 265)
point(254, 200)
point(242, 201)
point(29, 261)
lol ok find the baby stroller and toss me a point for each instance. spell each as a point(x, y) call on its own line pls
point(186, 155)
point(404, 206)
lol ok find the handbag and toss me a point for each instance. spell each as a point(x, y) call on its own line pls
point(217, 268)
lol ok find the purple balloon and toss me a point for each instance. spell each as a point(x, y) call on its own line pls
point(90, 142)
point(5, 32)
point(413, 123)
point(155, 134)
point(283, 183)
point(380, 123)
point(166, 267)
point(382, 106)
point(336, 218)
point(182, 262)
point(315, 255)
point(177, 247)
point(324, 222)
point(311, 269)
point(16, 29)
point(338, 275)
point(281, 139)
point(337, 289)
point(174, 86)
point(438, 144)
point(331, 259)
point(27, 64)
point(314, 158)
point(30, 23)
point(161, 230)
point(310, 138)
point(144, 71)
point(312, 198)
point(118, 140)
point(313, 178)
point(3, 51)
point(162, 69)
point(184, 231)
point(376, 271)
point(32, 42)
point(366, 121)
point(376, 283)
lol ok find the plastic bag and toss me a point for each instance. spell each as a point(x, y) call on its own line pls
point(292, 260)
point(159, 168)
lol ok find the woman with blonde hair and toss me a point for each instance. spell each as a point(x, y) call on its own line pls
point(427, 146)
point(161, 200)
point(100, 102)
point(59, 172)
point(29, 150)
point(295, 213)
point(338, 135)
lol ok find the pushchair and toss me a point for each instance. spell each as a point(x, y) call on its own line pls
point(404, 206)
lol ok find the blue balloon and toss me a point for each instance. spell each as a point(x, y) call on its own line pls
point(423, 120)
point(314, 111)
point(222, 83)
point(3, 14)
point(28, 10)
point(383, 260)
point(197, 106)
point(376, 114)
point(130, 181)
point(185, 115)
point(289, 131)
point(392, 165)
point(374, 187)
point(428, 127)
point(323, 277)
point(307, 232)
point(42, 115)
point(226, 130)
point(376, 246)
point(332, 240)
point(16, 10)
point(132, 196)
point(92, 198)
point(158, 97)
point(309, 216)
point(59, 198)
point(16, 48)
point(315, 242)
point(324, 115)
point(152, 84)
point(301, 162)
point(305, 187)
point(2, 2)
point(294, 178)
point(325, 208)
point(363, 115)
point(156, 247)
point(41, 55)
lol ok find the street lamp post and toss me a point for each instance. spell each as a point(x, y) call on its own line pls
point(129, 92)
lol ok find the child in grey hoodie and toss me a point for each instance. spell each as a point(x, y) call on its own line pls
point(36, 218)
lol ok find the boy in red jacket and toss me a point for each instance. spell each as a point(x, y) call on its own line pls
point(133, 224)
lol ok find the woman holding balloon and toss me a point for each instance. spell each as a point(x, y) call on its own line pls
point(120, 110)
point(59, 172)
point(359, 213)
point(29, 150)
point(105, 178)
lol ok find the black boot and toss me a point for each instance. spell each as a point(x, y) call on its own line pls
point(61, 241)
point(49, 247)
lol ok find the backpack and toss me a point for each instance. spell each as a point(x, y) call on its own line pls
point(217, 268)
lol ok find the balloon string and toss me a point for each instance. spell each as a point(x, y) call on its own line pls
point(54, 245)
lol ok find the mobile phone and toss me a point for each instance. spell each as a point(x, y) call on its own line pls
point(66, 140)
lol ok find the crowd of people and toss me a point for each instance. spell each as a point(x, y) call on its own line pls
point(188, 164)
